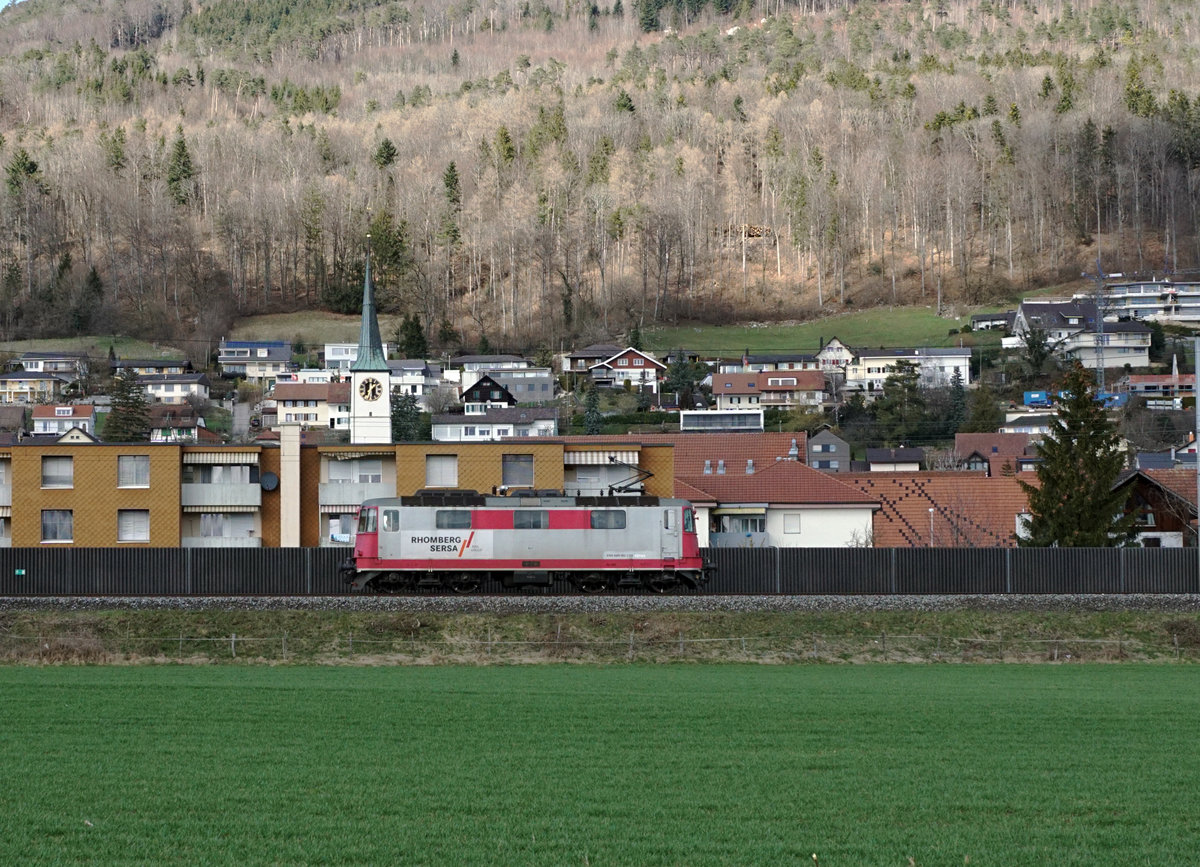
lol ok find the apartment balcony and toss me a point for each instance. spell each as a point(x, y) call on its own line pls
point(221, 542)
point(353, 493)
point(6, 495)
point(218, 495)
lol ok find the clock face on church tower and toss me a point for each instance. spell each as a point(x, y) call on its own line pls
point(370, 389)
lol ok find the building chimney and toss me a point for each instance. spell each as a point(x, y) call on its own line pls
point(794, 451)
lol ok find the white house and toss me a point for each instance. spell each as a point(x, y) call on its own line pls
point(783, 504)
point(1076, 332)
point(936, 367)
point(55, 420)
point(339, 356)
point(175, 387)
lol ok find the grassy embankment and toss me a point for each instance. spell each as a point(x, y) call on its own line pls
point(697, 765)
point(421, 637)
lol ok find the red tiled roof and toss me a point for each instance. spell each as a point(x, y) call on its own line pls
point(735, 383)
point(51, 411)
point(1000, 447)
point(339, 392)
point(301, 391)
point(970, 510)
point(784, 482)
point(693, 449)
point(1179, 481)
point(1160, 378)
point(806, 380)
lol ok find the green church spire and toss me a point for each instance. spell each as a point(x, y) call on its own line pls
point(370, 346)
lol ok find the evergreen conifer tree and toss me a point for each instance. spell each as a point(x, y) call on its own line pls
point(406, 418)
point(900, 413)
point(593, 422)
point(129, 419)
point(1074, 504)
point(181, 171)
point(983, 412)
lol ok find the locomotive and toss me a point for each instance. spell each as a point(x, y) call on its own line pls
point(456, 540)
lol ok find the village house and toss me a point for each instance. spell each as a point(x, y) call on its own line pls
point(257, 362)
point(1075, 331)
point(799, 389)
point(175, 387)
point(56, 419)
point(936, 367)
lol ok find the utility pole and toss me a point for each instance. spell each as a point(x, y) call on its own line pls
point(1098, 300)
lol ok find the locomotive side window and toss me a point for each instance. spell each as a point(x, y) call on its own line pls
point(366, 521)
point(391, 520)
point(669, 521)
point(609, 519)
point(453, 519)
point(531, 519)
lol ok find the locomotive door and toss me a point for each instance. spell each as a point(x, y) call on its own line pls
point(670, 534)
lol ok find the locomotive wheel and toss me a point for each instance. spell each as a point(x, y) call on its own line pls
point(661, 583)
point(592, 584)
point(464, 584)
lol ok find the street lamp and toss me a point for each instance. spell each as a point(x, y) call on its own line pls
point(931, 526)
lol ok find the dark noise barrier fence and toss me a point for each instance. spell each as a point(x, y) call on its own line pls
point(788, 571)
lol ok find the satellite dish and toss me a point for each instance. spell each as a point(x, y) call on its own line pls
point(269, 482)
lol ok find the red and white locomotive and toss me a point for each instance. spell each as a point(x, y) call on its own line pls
point(459, 539)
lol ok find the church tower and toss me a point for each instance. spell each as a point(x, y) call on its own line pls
point(370, 379)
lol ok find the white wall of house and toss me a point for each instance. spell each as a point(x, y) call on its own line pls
point(819, 527)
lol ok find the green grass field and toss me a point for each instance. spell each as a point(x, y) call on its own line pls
point(890, 327)
point(592, 765)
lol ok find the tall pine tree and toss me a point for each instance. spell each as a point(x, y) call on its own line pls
point(129, 419)
point(406, 418)
point(1074, 504)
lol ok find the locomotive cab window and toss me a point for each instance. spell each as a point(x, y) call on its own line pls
point(531, 519)
point(453, 519)
point(689, 521)
point(366, 521)
point(609, 519)
point(391, 520)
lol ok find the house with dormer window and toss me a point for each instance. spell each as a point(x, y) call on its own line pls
point(781, 389)
point(54, 420)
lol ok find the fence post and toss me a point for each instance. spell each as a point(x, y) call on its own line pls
point(631, 644)
point(883, 641)
point(233, 644)
point(681, 642)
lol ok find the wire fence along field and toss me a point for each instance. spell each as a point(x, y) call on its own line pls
point(419, 649)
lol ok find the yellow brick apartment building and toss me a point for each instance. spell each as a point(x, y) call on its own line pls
point(77, 492)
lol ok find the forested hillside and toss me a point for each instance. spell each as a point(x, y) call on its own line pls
point(541, 172)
